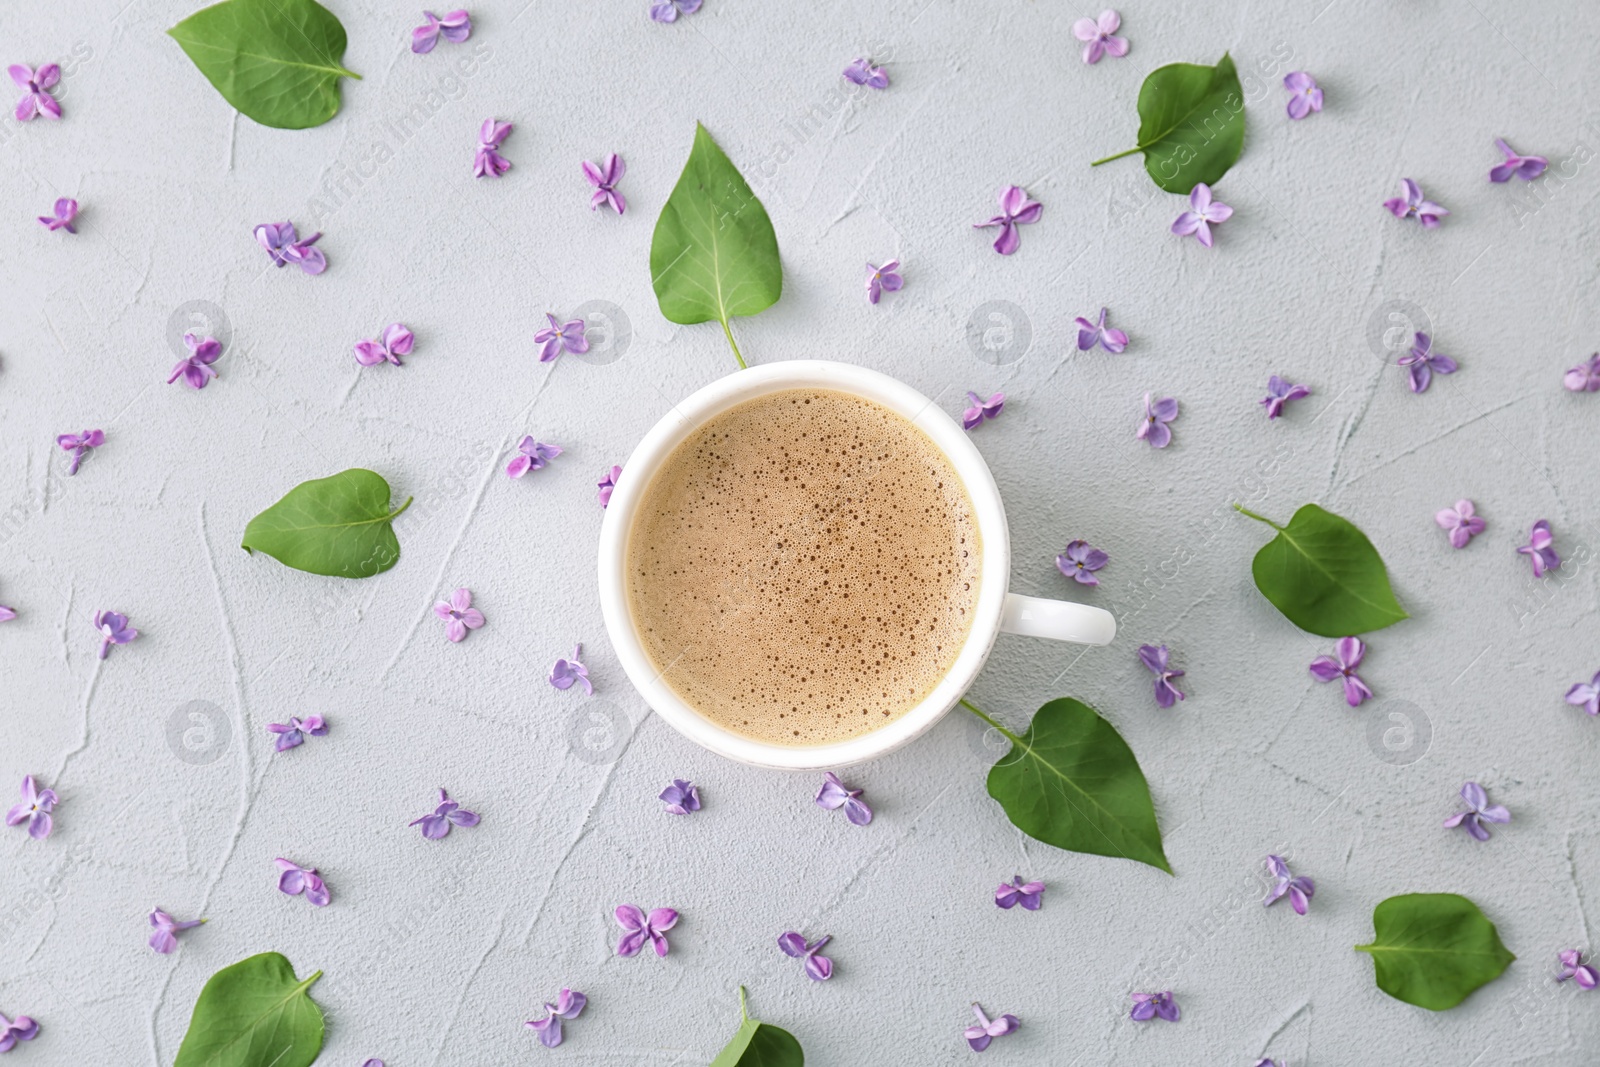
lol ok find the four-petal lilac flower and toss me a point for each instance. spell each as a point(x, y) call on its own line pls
point(66, 211)
point(1015, 210)
point(1203, 212)
point(681, 797)
point(566, 672)
point(165, 938)
point(835, 794)
point(605, 179)
point(557, 338)
point(37, 85)
point(447, 814)
point(1411, 205)
point(568, 1005)
point(1461, 521)
point(1098, 36)
point(1304, 95)
point(1092, 333)
point(1029, 894)
point(293, 733)
point(114, 630)
point(196, 369)
point(1351, 651)
point(456, 26)
point(1482, 812)
point(607, 483)
point(1079, 561)
point(1540, 549)
point(24, 1029)
point(1525, 167)
point(986, 1030)
point(488, 162)
point(884, 279)
point(1422, 362)
point(1572, 966)
point(531, 456)
point(979, 409)
point(79, 445)
point(283, 244)
point(1153, 427)
point(639, 926)
point(1585, 377)
point(818, 968)
point(668, 10)
point(296, 879)
point(862, 72)
point(1279, 393)
point(1147, 1006)
point(458, 614)
point(1155, 658)
point(396, 341)
point(1298, 888)
point(35, 809)
point(1586, 695)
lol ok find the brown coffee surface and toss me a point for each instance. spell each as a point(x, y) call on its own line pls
point(803, 569)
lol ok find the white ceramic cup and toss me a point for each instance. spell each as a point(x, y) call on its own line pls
point(998, 611)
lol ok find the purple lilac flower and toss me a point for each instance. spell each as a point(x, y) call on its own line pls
point(38, 101)
point(456, 26)
point(835, 794)
point(1091, 333)
point(446, 815)
point(568, 1005)
point(1326, 668)
point(862, 72)
point(557, 338)
point(639, 926)
point(1525, 167)
point(978, 410)
point(1423, 363)
point(1279, 393)
point(293, 733)
point(1461, 523)
point(1147, 1006)
point(396, 341)
point(1586, 695)
point(1153, 427)
point(987, 1030)
point(1015, 210)
point(1540, 549)
point(1482, 812)
point(668, 10)
point(1097, 33)
point(66, 210)
point(1572, 966)
point(1411, 205)
point(1029, 894)
point(818, 968)
point(24, 1029)
point(1304, 96)
point(35, 809)
point(566, 672)
point(296, 879)
point(884, 279)
point(458, 614)
point(605, 182)
point(7, 614)
point(681, 797)
point(1299, 889)
point(1585, 377)
point(1155, 658)
point(283, 244)
point(196, 369)
point(532, 456)
point(607, 483)
point(1078, 561)
point(165, 939)
point(79, 445)
point(488, 162)
point(1203, 212)
point(114, 630)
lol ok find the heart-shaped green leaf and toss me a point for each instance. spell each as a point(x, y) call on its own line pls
point(714, 254)
point(1432, 949)
point(254, 1013)
point(277, 61)
point(1191, 124)
point(1324, 575)
point(339, 526)
point(759, 1044)
point(1072, 781)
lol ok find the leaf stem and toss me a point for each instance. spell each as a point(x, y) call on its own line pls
point(396, 514)
point(979, 713)
point(1119, 155)
point(303, 986)
point(733, 344)
point(744, 1016)
point(1241, 509)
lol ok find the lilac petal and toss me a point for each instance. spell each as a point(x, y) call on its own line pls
point(1086, 29)
point(424, 38)
point(1351, 652)
point(292, 881)
point(977, 1038)
point(316, 891)
point(1094, 51)
point(792, 944)
point(629, 917)
point(1009, 239)
point(472, 618)
point(1476, 828)
point(548, 1029)
point(1167, 1008)
point(833, 793)
point(21, 75)
point(40, 825)
point(570, 1005)
point(857, 812)
point(1455, 820)
point(1153, 657)
point(663, 919)
point(1495, 813)
point(1165, 409)
point(1474, 795)
point(819, 968)
point(434, 826)
point(1355, 691)
point(1142, 1010)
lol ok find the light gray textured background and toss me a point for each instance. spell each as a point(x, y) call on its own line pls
point(435, 952)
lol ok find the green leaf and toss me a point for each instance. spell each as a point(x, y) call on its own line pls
point(759, 1044)
point(1324, 575)
point(1072, 781)
point(1191, 124)
point(254, 1013)
point(277, 61)
point(714, 254)
point(339, 526)
point(1432, 949)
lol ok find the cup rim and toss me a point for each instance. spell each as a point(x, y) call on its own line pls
point(713, 399)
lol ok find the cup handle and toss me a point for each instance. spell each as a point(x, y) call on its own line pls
point(1059, 620)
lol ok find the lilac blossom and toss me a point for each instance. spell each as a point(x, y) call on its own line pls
point(531, 456)
point(607, 483)
point(557, 338)
point(835, 794)
point(818, 968)
point(979, 409)
point(1572, 966)
point(1350, 651)
point(1092, 333)
point(488, 162)
point(1015, 210)
point(1422, 362)
point(447, 814)
point(568, 1005)
point(294, 879)
point(638, 926)
point(165, 939)
point(1411, 205)
point(1585, 377)
point(668, 10)
point(114, 630)
point(1079, 561)
point(458, 614)
point(568, 672)
point(862, 72)
point(1304, 95)
point(1147, 1006)
point(1029, 894)
point(1203, 212)
point(24, 1029)
point(35, 809)
point(7, 614)
point(1098, 36)
point(455, 27)
point(681, 797)
point(79, 445)
point(1586, 695)
point(1153, 427)
point(1540, 549)
point(66, 211)
point(283, 244)
point(1155, 658)
point(986, 1030)
point(396, 341)
point(1481, 812)
point(605, 179)
point(1298, 888)
point(37, 86)
point(1525, 167)
point(1461, 522)
point(884, 279)
point(196, 368)
point(293, 733)
point(1279, 393)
